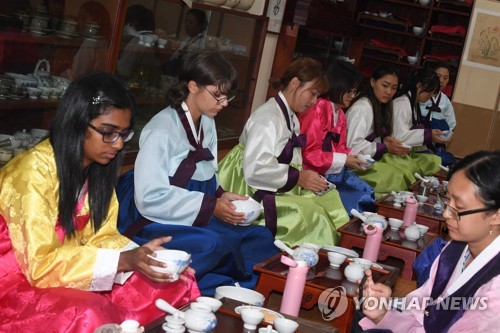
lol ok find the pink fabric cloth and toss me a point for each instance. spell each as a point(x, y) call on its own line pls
point(28, 309)
point(446, 29)
point(442, 56)
point(388, 45)
point(315, 123)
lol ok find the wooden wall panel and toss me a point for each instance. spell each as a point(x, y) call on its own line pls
point(471, 133)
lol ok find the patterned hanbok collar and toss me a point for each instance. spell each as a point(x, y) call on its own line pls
point(486, 255)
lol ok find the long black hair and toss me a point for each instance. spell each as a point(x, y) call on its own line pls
point(428, 80)
point(86, 98)
point(482, 168)
point(206, 67)
point(382, 117)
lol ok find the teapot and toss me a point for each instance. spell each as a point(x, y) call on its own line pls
point(412, 232)
point(375, 219)
point(354, 271)
point(307, 252)
point(198, 318)
point(43, 76)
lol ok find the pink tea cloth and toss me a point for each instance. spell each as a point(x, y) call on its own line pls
point(446, 29)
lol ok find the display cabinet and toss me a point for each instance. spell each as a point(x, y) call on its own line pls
point(108, 35)
point(412, 33)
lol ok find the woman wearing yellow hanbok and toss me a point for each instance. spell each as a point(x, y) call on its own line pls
point(266, 164)
point(65, 266)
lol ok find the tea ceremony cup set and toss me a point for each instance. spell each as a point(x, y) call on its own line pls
point(13, 145)
point(36, 85)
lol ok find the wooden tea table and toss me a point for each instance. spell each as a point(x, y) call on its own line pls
point(394, 244)
point(228, 321)
point(273, 274)
point(426, 214)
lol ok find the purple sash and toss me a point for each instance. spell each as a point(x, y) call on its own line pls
point(268, 197)
point(187, 167)
point(330, 139)
point(438, 319)
point(434, 107)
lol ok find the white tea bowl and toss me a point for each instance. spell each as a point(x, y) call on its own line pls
point(422, 199)
point(423, 229)
point(244, 295)
point(365, 263)
point(336, 259)
point(418, 30)
point(5, 155)
point(284, 325)
point(366, 158)
point(412, 59)
point(251, 318)
point(250, 207)
point(395, 223)
point(214, 303)
point(176, 262)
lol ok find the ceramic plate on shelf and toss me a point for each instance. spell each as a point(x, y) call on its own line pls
point(338, 249)
point(269, 315)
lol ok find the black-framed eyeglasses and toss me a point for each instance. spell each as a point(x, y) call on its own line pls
point(455, 214)
point(112, 136)
point(219, 100)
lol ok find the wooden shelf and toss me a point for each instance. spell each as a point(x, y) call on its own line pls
point(402, 33)
point(438, 12)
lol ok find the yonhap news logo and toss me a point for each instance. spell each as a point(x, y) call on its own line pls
point(332, 303)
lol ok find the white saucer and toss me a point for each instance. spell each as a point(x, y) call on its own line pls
point(263, 310)
point(338, 249)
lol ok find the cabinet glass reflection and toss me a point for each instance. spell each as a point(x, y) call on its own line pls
point(157, 39)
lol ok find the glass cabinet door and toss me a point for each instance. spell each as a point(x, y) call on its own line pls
point(44, 44)
point(158, 35)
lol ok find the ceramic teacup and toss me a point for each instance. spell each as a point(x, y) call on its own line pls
point(284, 325)
point(336, 259)
point(251, 318)
point(176, 262)
point(214, 303)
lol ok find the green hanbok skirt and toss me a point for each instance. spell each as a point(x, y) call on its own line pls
point(302, 215)
point(396, 173)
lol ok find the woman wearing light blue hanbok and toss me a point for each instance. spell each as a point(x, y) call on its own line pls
point(176, 189)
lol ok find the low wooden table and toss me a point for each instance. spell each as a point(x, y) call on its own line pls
point(394, 244)
point(273, 274)
point(229, 321)
point(426, 214)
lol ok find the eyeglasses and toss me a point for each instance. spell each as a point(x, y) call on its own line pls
point(455, 214)
point(219, 100)
point(353, 92)
point(112, 136)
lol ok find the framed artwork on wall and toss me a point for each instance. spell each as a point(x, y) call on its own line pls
point(482, 48)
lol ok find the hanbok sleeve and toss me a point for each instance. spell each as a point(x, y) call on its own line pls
point(410, 320)
point(265, 132)
point(155, 197)
point(315, 125)
point(359, 126)
point(402, 123)
point(448, 112)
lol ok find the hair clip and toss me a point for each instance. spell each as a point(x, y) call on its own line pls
point(96, 100)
